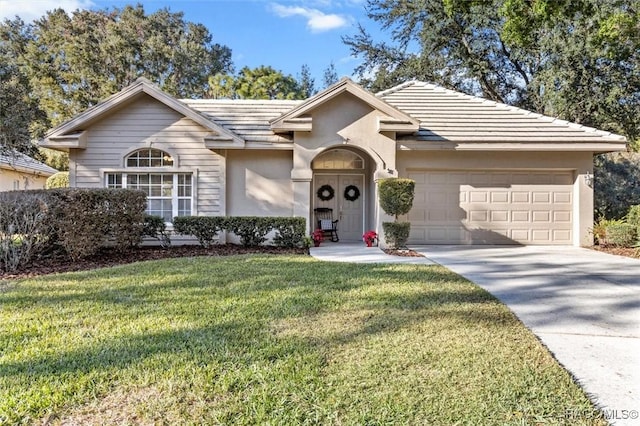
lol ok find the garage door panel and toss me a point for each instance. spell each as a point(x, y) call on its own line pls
point(492, 207)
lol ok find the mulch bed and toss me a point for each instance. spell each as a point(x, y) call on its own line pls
point(107, 258)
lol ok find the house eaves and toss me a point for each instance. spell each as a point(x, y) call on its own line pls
point(71, 134)
point(300, 119)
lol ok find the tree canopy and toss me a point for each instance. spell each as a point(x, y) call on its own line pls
point(576, 59)
point(72, 61)
point(263, 82)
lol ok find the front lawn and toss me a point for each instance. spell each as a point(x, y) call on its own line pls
point(272, 340)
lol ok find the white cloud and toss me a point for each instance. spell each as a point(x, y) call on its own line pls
point(317, 21)
point(34, 9)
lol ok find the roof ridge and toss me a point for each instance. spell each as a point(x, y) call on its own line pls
point(397, 88)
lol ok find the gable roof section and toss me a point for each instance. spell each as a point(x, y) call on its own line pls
point(298, 119)
point(71, 134)
point(450, 119)
point(23, 163)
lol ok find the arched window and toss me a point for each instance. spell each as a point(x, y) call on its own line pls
point(338, 159)
point(169, 194)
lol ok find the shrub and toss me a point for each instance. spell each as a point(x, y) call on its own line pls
point(204, 228)
point(621, 235)
point(25, 228)
point(155, 227)
point(58, 180)
point(290, 231)
point(252, 230)
point(396, 233)
point(86, 219)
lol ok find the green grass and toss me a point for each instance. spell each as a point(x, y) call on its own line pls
point(273, 340)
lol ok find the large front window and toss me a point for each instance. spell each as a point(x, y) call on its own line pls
point(168, 194)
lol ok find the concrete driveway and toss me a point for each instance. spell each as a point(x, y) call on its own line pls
point(582, 304)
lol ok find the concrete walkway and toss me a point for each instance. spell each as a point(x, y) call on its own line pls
point(582, 304)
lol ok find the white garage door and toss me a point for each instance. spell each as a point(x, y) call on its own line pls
point(492, 207)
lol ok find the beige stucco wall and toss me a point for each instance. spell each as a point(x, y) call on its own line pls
point(24, 180)
point(148, 123)
point(578, 162)
point(259, 183)
point(343, 122)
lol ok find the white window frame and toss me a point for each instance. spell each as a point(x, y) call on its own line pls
point(173, 171)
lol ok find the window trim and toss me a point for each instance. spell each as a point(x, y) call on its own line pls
point(173, 171)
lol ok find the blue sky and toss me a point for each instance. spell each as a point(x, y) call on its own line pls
point(284, 34)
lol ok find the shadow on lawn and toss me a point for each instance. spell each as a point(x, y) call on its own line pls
point(261, 293)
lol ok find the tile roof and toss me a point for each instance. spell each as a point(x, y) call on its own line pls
point(249, 119)
point(22, 162)
point(446, 115)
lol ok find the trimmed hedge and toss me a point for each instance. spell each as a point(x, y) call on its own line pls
point(58, 180)
point(252, 230)
point(204, 228)
point(155, 227)
point(396, 195)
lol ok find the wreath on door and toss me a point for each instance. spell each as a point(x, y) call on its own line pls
point(325, 192)
point(351, 193)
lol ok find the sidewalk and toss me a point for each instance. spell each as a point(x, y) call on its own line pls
point(360, 253)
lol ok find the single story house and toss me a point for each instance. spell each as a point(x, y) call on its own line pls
point(485, 172)
point(19, 172)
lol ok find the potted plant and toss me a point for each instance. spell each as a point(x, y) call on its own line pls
point(370, 237)
point(317, 237)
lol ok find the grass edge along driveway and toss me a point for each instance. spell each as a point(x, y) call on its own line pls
point(273, 340)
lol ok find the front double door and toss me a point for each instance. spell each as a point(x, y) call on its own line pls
point(347, 202)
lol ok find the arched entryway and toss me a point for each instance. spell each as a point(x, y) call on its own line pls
point(341, 181)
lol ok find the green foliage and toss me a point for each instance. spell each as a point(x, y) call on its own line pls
point(252, 230)
point(396, 195)
point(58, 180)
point(633, 216)
point(600, 229)
point(262, 82)
point(25, 228)
point(155, 227)
point(56, 159)
point(74, 60)
point(621, 235)
point(204, 228)
point(290, 231)
point(306, 82)
point(18, 109)
point(616, 184)
point(80, 221)
point(396, 234)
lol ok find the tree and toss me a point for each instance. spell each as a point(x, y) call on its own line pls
point(330, 75)
point(265, 82)
point(306, 82)
point(74, 61)
point(574, 59)
point(18, 109)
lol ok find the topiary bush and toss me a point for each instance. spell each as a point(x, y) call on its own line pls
point(396, 195)
point(58, 180)
point(396, 198)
